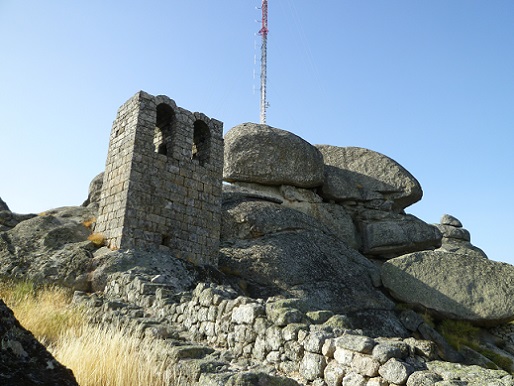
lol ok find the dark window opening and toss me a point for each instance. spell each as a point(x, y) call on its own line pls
point(165, 240)
point(164, 129)
point(201, 142)
point(162, 149)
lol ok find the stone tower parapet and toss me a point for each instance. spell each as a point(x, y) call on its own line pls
point(163, 180)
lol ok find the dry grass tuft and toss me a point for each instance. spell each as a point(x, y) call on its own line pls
point(89, 222)
point(97, 239)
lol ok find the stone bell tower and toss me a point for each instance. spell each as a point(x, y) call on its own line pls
point(163, 180)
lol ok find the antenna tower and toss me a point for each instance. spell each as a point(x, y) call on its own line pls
point(264, 59)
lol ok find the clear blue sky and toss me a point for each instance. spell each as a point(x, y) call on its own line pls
point(429, 83)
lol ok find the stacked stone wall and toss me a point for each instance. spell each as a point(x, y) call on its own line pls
point(163, 180)
point(313, 347)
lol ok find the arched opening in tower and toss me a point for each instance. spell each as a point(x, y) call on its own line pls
point(164, 129)
point(201, 142)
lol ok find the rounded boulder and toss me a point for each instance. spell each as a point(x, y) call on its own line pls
point(454, 286)
point(263, 154)
point(358, 174)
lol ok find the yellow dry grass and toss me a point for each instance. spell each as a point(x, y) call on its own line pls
point(89, 222)
point(98, 356)
point(46, 312)
point(109, 357)
point(97, 239)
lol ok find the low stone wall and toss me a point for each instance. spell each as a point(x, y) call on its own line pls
point(313, 347)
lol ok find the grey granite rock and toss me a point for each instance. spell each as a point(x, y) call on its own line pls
point(49, 248)
point(3, 205)
point(277, 250)
point(95, 190)
point(353, 173)
point(270, 156)
point(455, 286)
point(448, 219)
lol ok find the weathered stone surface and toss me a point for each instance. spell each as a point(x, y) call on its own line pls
point(189, 352)
point(452, 232)
point(3, 205)
point(423, 378)
point(49, 248)
point(270, 156)
point(457, 239)
point(95, 190)
point(315, 340)
point(456, 286)
point(357, 174)
point(411, 320)
point(177, 275)
point(397, 234)
point(343, 356)
point(312, 366)
point(333, 216)
point(357, 343)
point(448, 219)
point(9, 220)
point(23, 360)
point(425, 348)
point(395, 371)
point(365, 365)
point(445, 350)
point(377, 381)
point(334, 373)
point(251, 378)
point(277, 250)
point(475, 375)
point(461, 247)
point(378, 323)
point(247, 313)
point(382, 352)
point(353, 378)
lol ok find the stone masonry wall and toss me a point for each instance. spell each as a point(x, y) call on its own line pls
point(163, 180)
point(314, 347)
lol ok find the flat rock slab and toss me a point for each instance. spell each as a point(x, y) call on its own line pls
point(398, 234)
point(354, 173)
point(456, 286)
point(266, 155)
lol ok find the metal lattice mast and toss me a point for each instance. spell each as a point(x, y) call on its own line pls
point(264, 59)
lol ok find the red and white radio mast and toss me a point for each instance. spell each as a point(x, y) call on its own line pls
point(264, 61)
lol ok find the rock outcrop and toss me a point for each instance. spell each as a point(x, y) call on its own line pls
point(23, 360)
point(3, 205)
point(316, 251)
point(456, 239)
point(270, 156)
point(50, 248)
point(453, 286)
point(8, 219)
point(281, 251)
point(95, 190)
point(357, 174)
point(387, 234)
